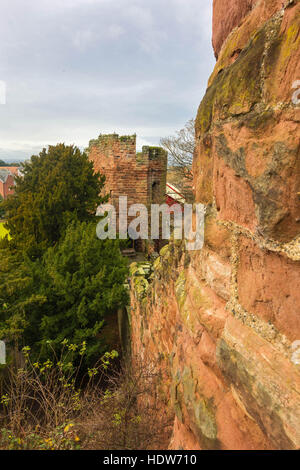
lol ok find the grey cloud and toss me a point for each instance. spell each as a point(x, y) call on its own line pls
point(80, 67)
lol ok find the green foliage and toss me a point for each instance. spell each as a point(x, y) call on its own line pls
point(3, 163)
point(66, 294)
point(58, 281)
point(15, 293)
point(2, 210)
point(3, 231)
point(57, 186)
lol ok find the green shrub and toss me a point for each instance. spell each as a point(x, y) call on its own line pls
point(68, 294)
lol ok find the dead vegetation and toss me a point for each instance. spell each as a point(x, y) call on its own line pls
point(53, 406)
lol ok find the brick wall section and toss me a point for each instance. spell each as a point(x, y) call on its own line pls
point(223, 323)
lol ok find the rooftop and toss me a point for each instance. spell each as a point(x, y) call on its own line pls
point(4, 174)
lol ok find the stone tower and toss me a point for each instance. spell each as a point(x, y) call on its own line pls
point(139, 176)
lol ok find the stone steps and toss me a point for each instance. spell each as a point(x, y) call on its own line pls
point(129, 253)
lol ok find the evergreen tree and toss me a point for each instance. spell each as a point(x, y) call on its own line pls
point(2, 211)
point(67, 294)
point(56, 187)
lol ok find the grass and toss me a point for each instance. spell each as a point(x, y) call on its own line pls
point(3, 230)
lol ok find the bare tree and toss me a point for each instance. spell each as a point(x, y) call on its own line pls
point(55, 405)
point(181, 149)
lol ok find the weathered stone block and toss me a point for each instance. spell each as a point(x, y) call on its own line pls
point(204, 305)
point(256, 157)
point(282, 63)
point(203, 170)
point(268, 383)
point(236, 89)
point(183, 438)
point(216, 272)
point(234, 198)
point(269, 287)
point(217, 237)
point(227, 15)
point(248, 15)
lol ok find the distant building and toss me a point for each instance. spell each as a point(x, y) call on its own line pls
point(7, 180)
point(184, 185)
point(15, 170)
point(174, 196)
point(7, 183)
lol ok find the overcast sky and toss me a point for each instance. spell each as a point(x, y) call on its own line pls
point(77, 68)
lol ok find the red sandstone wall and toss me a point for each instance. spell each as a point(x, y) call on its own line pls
point(231, 14)
point(222, 323)
point(226, 16)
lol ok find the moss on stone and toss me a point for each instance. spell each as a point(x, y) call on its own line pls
point(258, 120)
point(164, 250)
point(157, 264)
point(200, 300)
point(180, 291)
point(206, 421)
point(235, 89)
point(105, 139)
point(282, 48)
point(258, 399)
point(178, 411)
point(235, 160)
point(201, 410)
point(154, 153)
